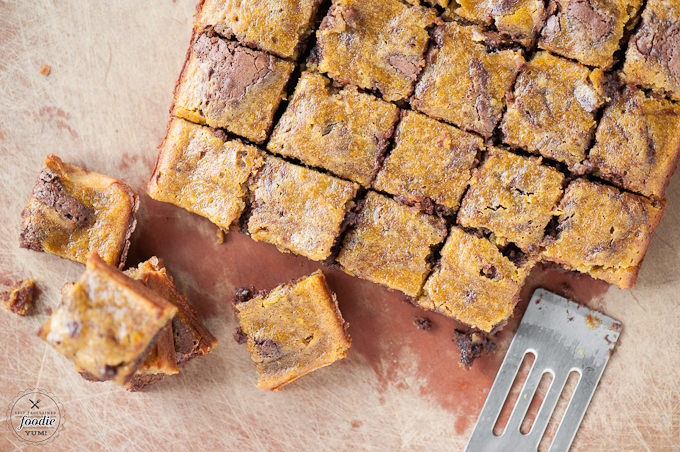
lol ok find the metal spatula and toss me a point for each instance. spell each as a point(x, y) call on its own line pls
point(564, 337)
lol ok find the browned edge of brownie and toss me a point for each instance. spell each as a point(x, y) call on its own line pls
point(132, 224)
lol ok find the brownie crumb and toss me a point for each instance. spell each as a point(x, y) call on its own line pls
point(240, 337)
point(221, 236)
point(45, 70)
point(243, 294)
point(422, 323)
point(472, 345)
point(19, 297)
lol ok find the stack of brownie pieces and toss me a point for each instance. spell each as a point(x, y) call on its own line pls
point(441, 149)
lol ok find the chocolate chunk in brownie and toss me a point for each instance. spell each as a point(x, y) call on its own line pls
point(49, 191)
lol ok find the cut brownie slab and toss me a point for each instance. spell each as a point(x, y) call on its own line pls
point(74, 211)
point(200, 172)
point(343, 131)
point(465, 81)
point(637, 144)
point(589, 31)
point(224, 84)
point(280, 27)
point(292, 330)
point(107, 323)
point(522, 20)
point(473, 282)
point(653, 55)
point(553, 108)
point(514, 197)
point(298, 209)
point(392, 244)
point(374, 45)
point(431, 162)
point(603, 232)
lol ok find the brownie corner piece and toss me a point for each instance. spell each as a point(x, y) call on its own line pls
point(603, 232)
point(292, 330)
point(73, 211)
point(226, 85)
point(392, 244)
point(375, 45)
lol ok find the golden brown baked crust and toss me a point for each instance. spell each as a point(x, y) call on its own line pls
point(294, 329)
point(198, 171)
point(603, 232)
point(465, 82)
point(392, 244)
point(226, 85)
point(514, 197)
point(552, 111)
point(473, 282)
point(374, 45)
point(19, 297)
point(637, 144)
point(107, 323)
point(589, 31)
point(343, 131)
point(280, 27)
point(73, 211)
point(653, 58)
point(297, 209)
point(430, 161)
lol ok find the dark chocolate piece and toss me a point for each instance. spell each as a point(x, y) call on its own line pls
point(48, 190)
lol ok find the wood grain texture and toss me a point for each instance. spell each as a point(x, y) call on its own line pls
point(105, 106)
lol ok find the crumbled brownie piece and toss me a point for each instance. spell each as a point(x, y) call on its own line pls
point(472, 345)
point(292, 330)
point(422, 323)
point(74, 211)
point(19, 297)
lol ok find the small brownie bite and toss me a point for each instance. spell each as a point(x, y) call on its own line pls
point(18, 298)
point(588, 31)
point(73, 211)
point(637, 144)
point(552, 111)
point(201, 172)
point(521, 20)
point(392, 244)
point(474, 282)
point(430, 163)
point(603, 232)
point(107, 323)
point(472, 346)
point(224, 84)
point(653, 59)
point(375, 45)
point(467, 78)
point(292, 330)
point(280, 27)
point(298, 209)
point(341, 130)
point(513, 197)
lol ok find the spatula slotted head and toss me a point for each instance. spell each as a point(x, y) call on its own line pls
point(564, 337)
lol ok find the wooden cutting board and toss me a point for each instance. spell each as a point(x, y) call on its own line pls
point(105, 107)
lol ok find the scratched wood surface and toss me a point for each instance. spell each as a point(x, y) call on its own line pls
point(105, 106)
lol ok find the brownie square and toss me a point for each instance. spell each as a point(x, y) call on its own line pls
point(552, 111)
point(465, 81)
point(202, 173)
point(374, 45)
point(298, 209)
point(430, 163)
point(392, 244)
point(603, 232)
point(224, 84)
point(73, 211)
point(292, 330)
point(341, 130)
point(637, 144)
point(653, 58)
point(521, 20)
point(513, 197)
point(107, 323)
point(473, 282)
point(280, 27)
point(588, 31)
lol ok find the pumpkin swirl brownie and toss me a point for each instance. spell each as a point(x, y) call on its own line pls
point(340, 130)
point(74, 211)
point(292, 330)
point(603, 232)
point(204, 172)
